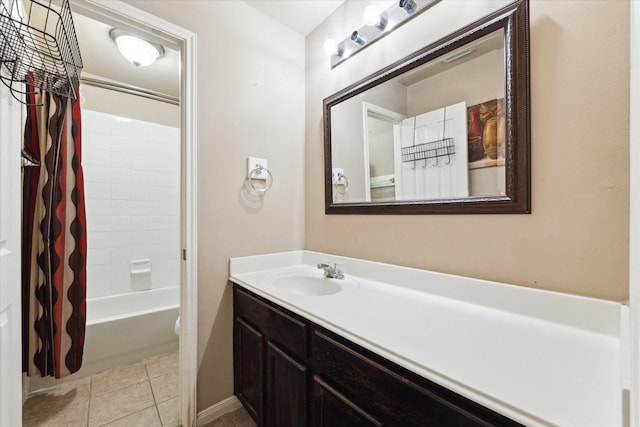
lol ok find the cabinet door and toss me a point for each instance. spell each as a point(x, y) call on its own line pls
point(248, 368)
point(286, 390)
point(332, 409)
point(394, 396)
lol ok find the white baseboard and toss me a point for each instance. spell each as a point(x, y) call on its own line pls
point(219, 409)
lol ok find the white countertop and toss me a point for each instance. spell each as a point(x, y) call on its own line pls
point(538, 357)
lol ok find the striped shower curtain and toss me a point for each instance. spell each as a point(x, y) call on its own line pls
point(54, 237)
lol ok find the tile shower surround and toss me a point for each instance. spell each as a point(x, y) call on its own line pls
point(132, 186)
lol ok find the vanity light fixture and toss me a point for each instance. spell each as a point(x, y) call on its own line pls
point(358, 39)
point(139, 52)
point(377, 25)
point(408, 6)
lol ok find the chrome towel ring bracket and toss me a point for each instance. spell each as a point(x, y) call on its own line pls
point(258, 172)
point(340, 180)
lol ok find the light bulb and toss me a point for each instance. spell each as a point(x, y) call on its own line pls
point(371, 15)
point(330, 47)
point(373, 18)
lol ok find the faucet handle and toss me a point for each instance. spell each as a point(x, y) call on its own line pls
point(338, 271)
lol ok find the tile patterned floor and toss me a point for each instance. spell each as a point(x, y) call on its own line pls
point(143, 394)
point(239, 418)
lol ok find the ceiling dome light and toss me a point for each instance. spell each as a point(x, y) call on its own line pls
point(139, 52)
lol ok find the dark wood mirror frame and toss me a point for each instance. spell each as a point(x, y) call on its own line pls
point(514, 20)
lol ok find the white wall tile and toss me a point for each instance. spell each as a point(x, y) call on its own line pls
point(157, 193)
point(102, 123)
point(100, 239)
point(120, 207)
point(172, 194)
point(120, 176)
point(98, 174)
point(121, 159)
point(98, 256)
point(157, 178)
point(121, 144)
point(120, 222)
point(122, 257)
point(139, 192)
point(156, 238)
point(122, 239)
point(97, 190)
point(139, 161)
point(99, 223)
point(98, 157)
point(132, 170)
point(99, 207)
point(121, 191)
point(155, 222)
point(98, 281)
point(172, 165)
point(158, 274)
point(139, 251)
point(139, 177)
point(94, 140)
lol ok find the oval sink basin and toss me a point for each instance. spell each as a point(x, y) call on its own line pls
point(311, 285)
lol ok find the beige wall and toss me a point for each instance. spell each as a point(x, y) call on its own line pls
point(250, 103)
point(576, 239)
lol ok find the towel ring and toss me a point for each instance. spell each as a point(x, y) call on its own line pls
point(342, 177)
point(257, 171)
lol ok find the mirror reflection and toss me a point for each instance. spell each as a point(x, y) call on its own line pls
point(434, 132)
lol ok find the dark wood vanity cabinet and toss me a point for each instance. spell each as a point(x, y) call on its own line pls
point(270, 350)
point(290, 372)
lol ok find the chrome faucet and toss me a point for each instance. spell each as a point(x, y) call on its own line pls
point(332, 271)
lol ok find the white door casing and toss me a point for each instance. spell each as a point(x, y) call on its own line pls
point(391, 116)
point(634, 221)
point(10, 283)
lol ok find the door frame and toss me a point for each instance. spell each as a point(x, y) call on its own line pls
point(185, 41)
point(392, 116)
point(634, 211)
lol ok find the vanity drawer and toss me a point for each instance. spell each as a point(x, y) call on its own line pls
point(278, 326)
point(390, 393)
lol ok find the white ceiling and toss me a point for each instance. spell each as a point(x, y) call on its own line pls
point(302, 16)
point(102, 59)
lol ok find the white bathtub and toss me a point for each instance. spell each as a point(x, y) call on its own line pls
point(124, 329)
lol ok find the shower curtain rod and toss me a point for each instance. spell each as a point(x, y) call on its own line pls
point(130, 90)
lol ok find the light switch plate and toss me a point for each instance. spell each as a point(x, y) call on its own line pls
point(253, 163)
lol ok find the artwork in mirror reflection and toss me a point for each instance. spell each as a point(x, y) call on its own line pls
point(434, 132)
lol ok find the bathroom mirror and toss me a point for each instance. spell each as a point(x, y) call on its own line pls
point(442, 131)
